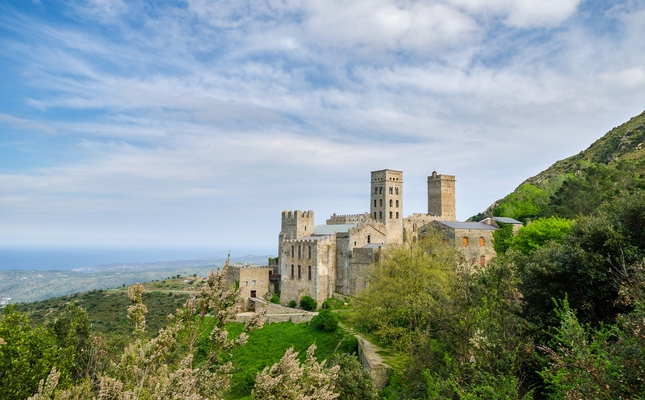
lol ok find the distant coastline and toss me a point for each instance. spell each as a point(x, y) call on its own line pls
point(87, 259)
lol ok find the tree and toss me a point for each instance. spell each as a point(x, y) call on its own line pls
point(539, 232)
point(288, 379)
point(308, 303)
point(325, 320)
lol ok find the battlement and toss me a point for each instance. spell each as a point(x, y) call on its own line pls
point(347, 219)
point(297, 223)
point(292, 215)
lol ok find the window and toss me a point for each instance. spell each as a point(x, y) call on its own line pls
point(369, 239)
point(299, 251)
point(309, 272)
point(380, 202)
point(390, 202)
point(261, 283)
point(375, 190)
point(380, 190)
point(396, 191)
point(380, 214)
point(390, 214)
point(397, 204)
point(299, 272)
point(310, 252)
point(482, 261)
point(465, 241)
point(292, 271)
point(374, 213)
point(391, 190)
point(481, 242)
point(246, 283)
point(374, 202)
point(292, 251)
point(253, 283)
point(397, 215)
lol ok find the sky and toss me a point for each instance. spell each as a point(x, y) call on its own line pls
point(196, 123)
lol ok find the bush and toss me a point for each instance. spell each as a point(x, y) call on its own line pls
point(325, 320)
point(275, 299)
point(308, 303)
point(292, 304)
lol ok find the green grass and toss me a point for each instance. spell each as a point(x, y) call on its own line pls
point(266, 346)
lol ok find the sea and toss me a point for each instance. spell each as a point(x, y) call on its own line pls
point(69, 258)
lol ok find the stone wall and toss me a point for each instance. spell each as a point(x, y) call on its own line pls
point(249, 278)
point(373, 363)
point(413, 223)
point(441, 196)
point(362, 260)
point(347, 219)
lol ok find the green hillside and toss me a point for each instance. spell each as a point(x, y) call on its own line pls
point(577, 185)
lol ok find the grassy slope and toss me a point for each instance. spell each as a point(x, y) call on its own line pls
point(622, 150)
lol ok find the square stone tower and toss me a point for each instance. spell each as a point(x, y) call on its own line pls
point(441, 196)
point(386, 202)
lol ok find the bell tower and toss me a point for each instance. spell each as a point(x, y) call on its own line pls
point(441, 196)
point(386, 202)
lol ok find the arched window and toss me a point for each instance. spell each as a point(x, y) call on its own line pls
point(374, 202)
point(374, 214)
point(481, 242)
point(391, 190)
point(396, 190)
point(397, 204)
point(482, 261)
point(397, 215)
point(380, 202)
point(380, 189)
point(390, 214)
point(380, 215)
point(390, 202)
point(375, 190)
point(465, 241)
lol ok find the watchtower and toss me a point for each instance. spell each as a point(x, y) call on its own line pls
point(296, 224)
point(386, 202)
point(441, 196)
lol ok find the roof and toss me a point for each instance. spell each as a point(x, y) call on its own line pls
point(331, 229)
point(372, 246)
point(311, 237)
point(468, 225)
point(507, 220)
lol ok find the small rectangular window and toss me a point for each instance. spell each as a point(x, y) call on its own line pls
point(253, 283)
point(309, 272)
point(299, 273)
point(292, 251)
point(310, 252)
point(299, 251)
point(292, 271)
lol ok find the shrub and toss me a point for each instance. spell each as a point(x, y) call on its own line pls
point(325, 320)
point(275, 299)
point(308, 303)
point(292, 304)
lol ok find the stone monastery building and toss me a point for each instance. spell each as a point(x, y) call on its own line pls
point(318, 260)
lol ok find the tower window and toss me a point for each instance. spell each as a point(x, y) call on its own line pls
point(380, 202)
point(380, 215)
point(397, 215)
point(292, 251)
point(310, 252)
point(380, 190)
point(391, 190)
point(396, 191)
point(397, 204)
point(292, 271)
point(465, 241)
point(299, 251)
point(391, 202)
point(374, 202)
point(299, 272)
point(390, 214)
point(375, 190)
point(374, 214)
point(309, 272)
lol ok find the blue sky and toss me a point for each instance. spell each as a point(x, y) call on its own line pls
point(195, 123)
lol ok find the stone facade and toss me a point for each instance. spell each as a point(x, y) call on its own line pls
point(473, 240)
point(318, 260)
point(252, 280)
